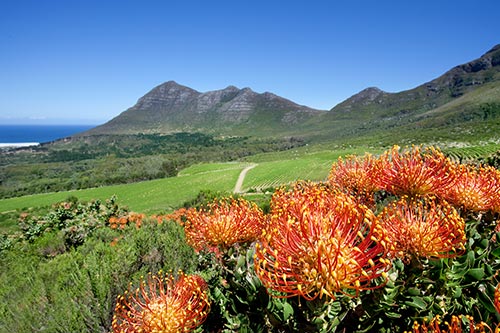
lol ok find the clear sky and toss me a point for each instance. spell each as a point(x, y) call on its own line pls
point(85, 61)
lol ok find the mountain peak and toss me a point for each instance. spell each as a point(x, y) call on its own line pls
point(171, 107)
point(364, 97)
point(494, 49)
point(370, 91)
point(247, 90)
point(168, 93)
point(171, 85)
point(231, 88)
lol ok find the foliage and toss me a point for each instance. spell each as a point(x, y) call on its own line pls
point(74, 220)
point(324, 261)
point(47, 286)
point(494, 160)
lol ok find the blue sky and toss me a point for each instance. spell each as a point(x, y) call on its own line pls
point(85, 61)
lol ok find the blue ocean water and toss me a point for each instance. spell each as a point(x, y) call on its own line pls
point(38, 133)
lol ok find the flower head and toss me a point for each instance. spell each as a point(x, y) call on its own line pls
point(476, 188)
point(457, 324)
point(355, 176)
point(222, 224)
point(415, 172)
point(496, 298)
point(319, 242)
point(163, 304)
point(494, 176)
point(423, 227)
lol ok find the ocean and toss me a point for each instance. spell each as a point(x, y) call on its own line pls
point(22, 134)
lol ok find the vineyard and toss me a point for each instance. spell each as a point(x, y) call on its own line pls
point(272, 172)
point(166, 194)
point(149, 196)
point(471, 153)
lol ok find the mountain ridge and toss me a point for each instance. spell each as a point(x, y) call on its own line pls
point(171, 107)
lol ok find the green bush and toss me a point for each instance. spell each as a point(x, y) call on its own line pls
point(47, 286)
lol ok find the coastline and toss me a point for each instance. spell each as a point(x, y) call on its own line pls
point(18, 144)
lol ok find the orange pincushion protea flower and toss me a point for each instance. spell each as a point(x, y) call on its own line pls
point(415, 172)
point(222, 224)
point(476, 189)
point(319, 242)
point(423, 227)
point(495, 189)
point(163, 304)
point(355, 176)
point(455, 325)
point(496, 298)
point(123, 221)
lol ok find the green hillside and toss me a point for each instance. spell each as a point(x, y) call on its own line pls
point(271, 170)
point(464, 93)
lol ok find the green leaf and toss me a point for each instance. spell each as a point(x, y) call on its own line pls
point(486, 302)
point(287, 311)
point(476, 273)
point(413, 291)
point(484, 243)
point(393, 315)
point(496, 252)
point(417, 302)
point(471, 258)
point(241, 261)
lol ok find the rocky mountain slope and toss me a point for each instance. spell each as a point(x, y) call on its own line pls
point(171, 107)
point(467, 97)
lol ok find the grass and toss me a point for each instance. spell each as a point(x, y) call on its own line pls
point(164, 195)
point(276, 169)
point(160, 195)
point(149, 196)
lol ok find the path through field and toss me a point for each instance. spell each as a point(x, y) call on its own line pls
point(241, 178)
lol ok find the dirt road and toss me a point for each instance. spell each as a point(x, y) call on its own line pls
point(241, 178)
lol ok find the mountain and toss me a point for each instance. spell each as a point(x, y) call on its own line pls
point(455, 83)
point(171, 107)
point(464, 100)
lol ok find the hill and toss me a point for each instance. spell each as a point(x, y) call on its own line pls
point(464, 98)
point(171, 107)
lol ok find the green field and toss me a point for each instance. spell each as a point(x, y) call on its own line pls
point(169, 193)
point(271, 170)
point(149, 196)
point(314, 166)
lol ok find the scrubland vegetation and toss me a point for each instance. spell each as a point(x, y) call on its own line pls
point(376, 243)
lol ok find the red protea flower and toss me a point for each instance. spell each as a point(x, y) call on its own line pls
point(476, 188)
point(455, 325)
point(496, 298)
point(113, 222)
point(163, 304)
point(123, 221)
point(319, 242)
point(222, 224)
point(423, 227)
point(355, 176)
point(178, 216)
point(495, 189)
point(415, 172)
